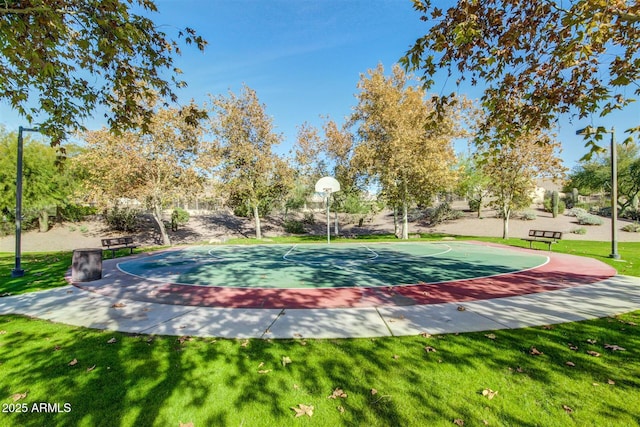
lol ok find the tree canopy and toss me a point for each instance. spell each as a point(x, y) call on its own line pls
point(62, 60)
point(535, 58)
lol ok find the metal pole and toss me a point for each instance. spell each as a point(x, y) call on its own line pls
point(18, 271)
point(614, 197)
point(328, 191)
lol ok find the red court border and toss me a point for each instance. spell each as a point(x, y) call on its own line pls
point(562, 271)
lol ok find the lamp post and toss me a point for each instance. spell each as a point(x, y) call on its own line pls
point(614, 186)
point(18, 271)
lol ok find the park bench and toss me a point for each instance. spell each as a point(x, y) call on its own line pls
point(114, 243)
point(543, 236)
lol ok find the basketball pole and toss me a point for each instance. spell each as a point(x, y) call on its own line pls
point(328, 193)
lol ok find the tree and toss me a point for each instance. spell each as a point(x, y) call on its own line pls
point(251, 172)
point(535, 58)
point(594, 175)
point(513, 165)
point(402, 145)
point(308, 165)
point(45, 186)
point(473, 183)
point(153, 168)
point(61, 60)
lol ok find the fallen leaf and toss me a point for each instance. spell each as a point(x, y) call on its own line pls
point(303, 410)
point(261, 365)
point(3, 332)
point(485, 422)
point(264, 371)
point(458, 422)
point(374, 391)
point(573, 347)
point(593, 353)
point(490, 394)
point(286, 360)
point(118, 305)
point(57, 348)
point(73, 362)
point(547, 327)
point(519, 369)
point(570, 364)
point(111, 341)
point(296, 387)
point(430, 349)
point(91, 368)
point(567, 409)
point(341, 409)
point(190, 424)
point(18, 396)
point(632, 323)
point(461, 308)
point(535, 352)
point(396, 357)
point(184, 338)
point(244, 343)
point(610, 382)
point(590, 341)
point(595, 384)
point(425, 335)
point(338, 392)
point(490, 336)
point(613, 347)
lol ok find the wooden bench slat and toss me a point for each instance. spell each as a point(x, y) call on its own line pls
point(545, 236)
point(114, 243)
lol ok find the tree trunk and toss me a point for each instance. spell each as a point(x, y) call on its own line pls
point(506, 213)
point(395, 221)
point(405, 220)
point(43, 221)
point(256, 217)
point(157, 216)
point(336, 229)
point(479, 207)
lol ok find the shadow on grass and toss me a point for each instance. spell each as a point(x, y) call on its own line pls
point(144, 380)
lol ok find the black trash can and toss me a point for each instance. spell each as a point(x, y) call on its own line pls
point(86, 265)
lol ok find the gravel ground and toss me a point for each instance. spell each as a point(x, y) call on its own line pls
point(221, 226)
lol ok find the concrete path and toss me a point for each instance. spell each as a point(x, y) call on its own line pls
point(74, 306)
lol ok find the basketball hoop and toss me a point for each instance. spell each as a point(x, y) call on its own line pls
point(328, 185)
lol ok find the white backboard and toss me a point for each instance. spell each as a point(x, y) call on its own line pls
point(327, 183)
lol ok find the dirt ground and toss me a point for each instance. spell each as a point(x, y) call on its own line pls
point(219, 227)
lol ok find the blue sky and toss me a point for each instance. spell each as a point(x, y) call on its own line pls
point(304, 58)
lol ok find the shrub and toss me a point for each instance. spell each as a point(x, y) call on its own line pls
point(580, 230)
point(528, 215)
point(474, 205)
point(309, 219)
point(631, 213)
point(576, 211)
point(443, 212)
point(178, 217)
point(122, 219)
point(588, 219)
point(75, 213)
point(632, 228)
point(294, 227)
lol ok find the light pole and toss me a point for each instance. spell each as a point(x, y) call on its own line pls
point(18, 271)
point(614, 186)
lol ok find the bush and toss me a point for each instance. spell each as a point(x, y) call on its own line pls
point(580, 230)
point(75, 213)
point(632, 228)
point(631, 213)
point(122, 219)
point(576, 211)
point(309, 219)
point(528, 215)
point(588, 219)
point(178, 217)
point(294, 227)
point(474, 205)
point(443, 212)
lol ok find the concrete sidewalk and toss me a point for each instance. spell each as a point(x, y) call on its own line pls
point(74, 306)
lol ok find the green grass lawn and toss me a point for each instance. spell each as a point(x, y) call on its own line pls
point(128, 380)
